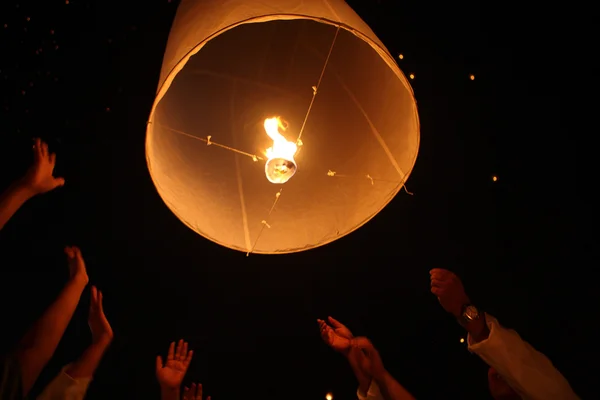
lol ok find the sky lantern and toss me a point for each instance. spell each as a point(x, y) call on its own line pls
point(278, 125)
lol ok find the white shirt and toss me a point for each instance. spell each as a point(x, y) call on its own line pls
point(372, 394)
point(65, 387)
point(529, 372)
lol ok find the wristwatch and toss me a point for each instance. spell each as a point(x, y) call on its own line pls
point(469, 313)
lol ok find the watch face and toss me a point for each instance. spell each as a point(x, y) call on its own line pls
point(471, 313)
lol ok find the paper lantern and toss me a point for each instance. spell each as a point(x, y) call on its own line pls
point(279, 125)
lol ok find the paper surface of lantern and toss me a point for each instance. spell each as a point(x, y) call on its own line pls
point(333, 93)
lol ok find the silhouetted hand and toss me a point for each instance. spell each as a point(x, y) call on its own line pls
point(193, 393)
point(170, 375)
point(39, 178)
point(99, 325)
point(338, 338)
point(449, 290)
point(77, 269)
point(371, 364)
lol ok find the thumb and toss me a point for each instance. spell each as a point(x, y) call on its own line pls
point(159, 362)
point(59, 182)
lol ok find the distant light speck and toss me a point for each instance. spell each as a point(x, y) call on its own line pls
point(412, 76)
point(472, 77)
point(401, 56)
point(462, 340)
point(495, 178)
point(329, 396)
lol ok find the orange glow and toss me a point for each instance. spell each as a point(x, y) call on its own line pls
point(495, 178)
point(412, 76)
point(328, 396)
point(472, 77)
point(280, 166)
point(401, 56)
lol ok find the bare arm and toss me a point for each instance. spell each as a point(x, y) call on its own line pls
point(12, 199)
point(390, 388)
point(40, 342)
point(364, 381)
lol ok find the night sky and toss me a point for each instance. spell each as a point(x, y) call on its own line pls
point(82, 75)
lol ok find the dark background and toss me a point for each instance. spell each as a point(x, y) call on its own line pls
point(83, 76)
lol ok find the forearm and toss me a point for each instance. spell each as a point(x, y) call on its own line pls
point(86, 365)
point(39, 344)
point(11, 200)
point(364, 381)
point(169, 394)
point(391, 389)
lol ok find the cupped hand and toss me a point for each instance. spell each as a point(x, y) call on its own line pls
point(449, 290)
point(101, 330)
point(170, 374)
point(40, 176)
point(193, 393)
point(77, 270)
point(338, 338)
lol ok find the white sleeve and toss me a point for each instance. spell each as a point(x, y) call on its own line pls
point(65, 387)
point(529, 372)
point(372, 394)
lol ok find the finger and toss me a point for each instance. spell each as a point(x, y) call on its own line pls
point(335, 323)
point(199, 392)
point(439, 272)
point(177, 354)
point(192, 391)
point(171, 354)
point(208, 398)
point(184, 351)
point(437, 291)
point(188, 358)
point(52, 158)
point(44, 148)
point(94, 296)
point(37, 148)
point(159, 362)
point(69, 252)
point(58, 182)
point(437, 283)
point(186, 392)
point(100, 307)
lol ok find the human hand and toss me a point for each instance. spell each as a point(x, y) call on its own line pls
point(193, 393)
point(99, 325)
point(338, 338)
point(77, 271)
point(449, 290)
point(370, 363)
point(39, 177)
point(170, 375)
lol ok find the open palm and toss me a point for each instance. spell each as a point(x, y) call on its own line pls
point(170, 375)
point(337, 337)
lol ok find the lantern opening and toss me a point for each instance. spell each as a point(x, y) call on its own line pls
point(280, 165)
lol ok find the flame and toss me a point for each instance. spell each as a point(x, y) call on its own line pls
point(280, 165)
point(281, 147)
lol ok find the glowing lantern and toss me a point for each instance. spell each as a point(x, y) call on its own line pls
point(278, 125)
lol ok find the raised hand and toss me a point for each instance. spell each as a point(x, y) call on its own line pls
point(193, 393)
point(77, 269)
point(170, 375)
point(338, 338)
point(99, 325)
point(449, 290)
point(39, 178)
